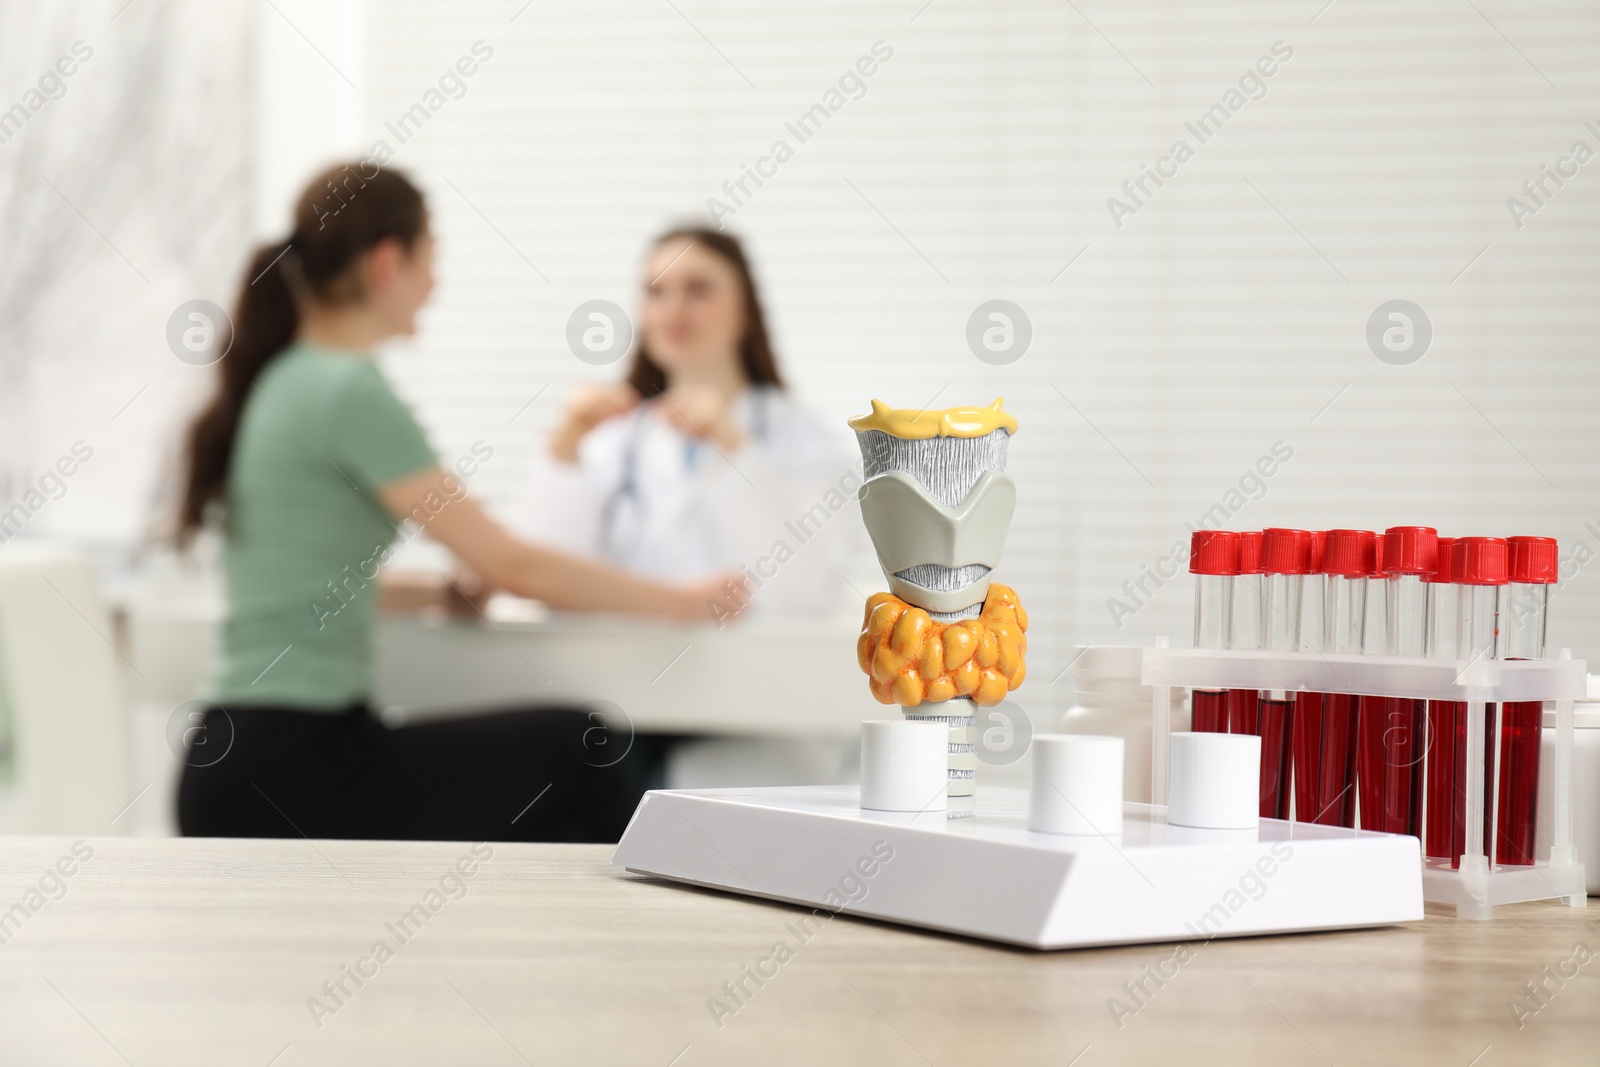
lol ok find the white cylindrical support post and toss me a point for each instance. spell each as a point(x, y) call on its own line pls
point(1215, 781)
point(1474, 864)
point(1562, 849)
point(959, 718)
point(1474, 799)
point(904, 765)
point(1077, 784)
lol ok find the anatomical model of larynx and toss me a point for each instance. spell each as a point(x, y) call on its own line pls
point(937, 503)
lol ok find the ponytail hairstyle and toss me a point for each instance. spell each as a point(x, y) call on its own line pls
point(755, 350)
point(342, 214)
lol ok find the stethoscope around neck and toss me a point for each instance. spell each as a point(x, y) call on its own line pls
point(627, 487)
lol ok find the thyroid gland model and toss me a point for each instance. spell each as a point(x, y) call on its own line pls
point(937, 503)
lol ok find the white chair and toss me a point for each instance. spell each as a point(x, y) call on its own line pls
point(59, 672)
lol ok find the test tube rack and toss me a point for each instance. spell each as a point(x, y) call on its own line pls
point(992, 877)
point(1477, 885)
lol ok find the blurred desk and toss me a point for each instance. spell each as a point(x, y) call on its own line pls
point(772, 677)
point(207, 952)
point(761, 678)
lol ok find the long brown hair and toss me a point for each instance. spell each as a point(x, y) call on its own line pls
point(755, 351)
point(343, 213)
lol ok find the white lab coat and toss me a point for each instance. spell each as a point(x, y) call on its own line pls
point(654, 501)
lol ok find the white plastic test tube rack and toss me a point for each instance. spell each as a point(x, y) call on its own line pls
point(1478, 885)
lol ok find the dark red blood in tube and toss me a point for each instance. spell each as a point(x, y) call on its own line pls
point(1243, 711)
point(1336, 777)
point(1390, 764)
point(1521, 723)
point(1403, 748)
point(1274, 728)
point(1439, 839)
point(1307, 742)
point(1209, 709)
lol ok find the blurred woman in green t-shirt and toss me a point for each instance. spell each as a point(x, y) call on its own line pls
point(309, 464)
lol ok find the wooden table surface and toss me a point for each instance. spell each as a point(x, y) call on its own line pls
point(209, 951)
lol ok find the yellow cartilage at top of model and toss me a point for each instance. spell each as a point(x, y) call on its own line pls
point(914, 425)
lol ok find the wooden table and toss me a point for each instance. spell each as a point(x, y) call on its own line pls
point(207, 952)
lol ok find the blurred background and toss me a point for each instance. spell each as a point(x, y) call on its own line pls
point(1195, 335)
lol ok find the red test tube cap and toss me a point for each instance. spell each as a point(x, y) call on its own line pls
point(1444, 571)
point(1410, 550)
point(1482, 561)
point(1316, 550)
point(1214, 552)
point(1284, 551)
point(1250, 552)
point(1371, 554)
point(1344, 553)
point(1534, 560)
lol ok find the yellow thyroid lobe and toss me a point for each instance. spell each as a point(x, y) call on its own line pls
point(909, 659)
point(919, 425)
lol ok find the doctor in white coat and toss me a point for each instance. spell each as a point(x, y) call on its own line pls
point(701, 461)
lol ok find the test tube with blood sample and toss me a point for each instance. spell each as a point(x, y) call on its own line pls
point(1410, 554)
point(1213, 560)
point(1284, 555)
point(1307, 725)
point(1247, 629)
point(1481, 568)
point(1370, 709)
point(1439, 776)
point(1523, 624)
point(1345, 566)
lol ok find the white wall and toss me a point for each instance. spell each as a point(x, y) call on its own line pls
point(310, 60)
point(1226, 314)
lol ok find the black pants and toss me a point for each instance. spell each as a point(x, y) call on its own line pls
point(525, 775)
